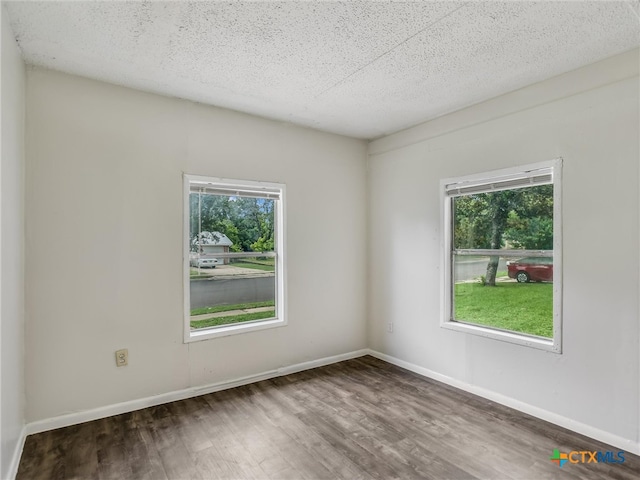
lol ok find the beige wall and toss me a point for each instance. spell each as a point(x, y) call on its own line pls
point(104, 242)
point(104, 168)
point(11, 251)
point(595, 381)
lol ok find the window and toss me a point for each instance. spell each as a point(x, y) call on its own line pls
point(233, 256)
point(502, 255)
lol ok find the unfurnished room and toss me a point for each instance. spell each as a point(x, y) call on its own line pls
point(320, 240)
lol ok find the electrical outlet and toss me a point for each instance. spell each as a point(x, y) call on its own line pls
point(122, 357)
point(390, 327)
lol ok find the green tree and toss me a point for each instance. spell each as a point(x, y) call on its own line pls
point(499, 204)
point(212, 213)
point(263, 245)
point(521, 218)
point(531, 226)
point(247, 222)
point(471, 230)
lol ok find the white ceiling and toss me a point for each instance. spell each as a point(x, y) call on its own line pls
point(358, 68)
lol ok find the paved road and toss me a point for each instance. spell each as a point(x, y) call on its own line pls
point(231, 290)
point(227, 290)
point(472, 269)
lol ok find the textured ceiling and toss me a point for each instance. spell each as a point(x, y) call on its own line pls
point(362, 69)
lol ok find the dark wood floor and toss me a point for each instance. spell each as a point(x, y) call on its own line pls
point(359, 419)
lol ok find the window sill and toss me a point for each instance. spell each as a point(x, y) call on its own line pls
point(208, 333)
point(504, 336)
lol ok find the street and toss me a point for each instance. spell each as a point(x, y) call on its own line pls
point(472, 268)
point(231, 290)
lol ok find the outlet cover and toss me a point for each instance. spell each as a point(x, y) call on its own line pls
point(122, 357)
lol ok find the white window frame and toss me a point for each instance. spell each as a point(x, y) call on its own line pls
point(504, 179)
point(253, 188)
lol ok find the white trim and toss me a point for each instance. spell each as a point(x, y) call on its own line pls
point(551, 417)
point(227, 186)
point(233, 329)
point(186, 262)
point(17, 454)
point(557, 255)
point(554, 167)
point(486, 177)
point(502, 335)
point(494, 183)
point(133, 405)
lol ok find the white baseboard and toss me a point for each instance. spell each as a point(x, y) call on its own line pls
point(568, 423)
point(132, 405)
point(17, 454)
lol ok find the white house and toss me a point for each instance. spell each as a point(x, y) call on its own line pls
point(211, 243)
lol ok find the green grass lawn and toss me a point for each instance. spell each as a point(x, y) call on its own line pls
point(227, 308)
point(255, 265)
point(519, 307)
point(229, 319)
point(196, 273)
point(226, 320)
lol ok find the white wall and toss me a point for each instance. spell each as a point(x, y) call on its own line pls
point(104, 219)
point(104, 242)
point(11, 250)
point(595, 382)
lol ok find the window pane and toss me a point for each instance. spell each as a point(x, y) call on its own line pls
point(228, 289)
point(521, 300)
point(513, 294)
point(515, 219)
point(247, 223)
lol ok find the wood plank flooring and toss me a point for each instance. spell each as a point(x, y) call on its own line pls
point(361, 419)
